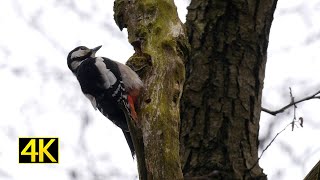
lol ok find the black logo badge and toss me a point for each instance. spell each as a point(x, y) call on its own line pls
point(38, 150)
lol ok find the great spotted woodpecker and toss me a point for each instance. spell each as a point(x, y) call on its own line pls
point(111, 87)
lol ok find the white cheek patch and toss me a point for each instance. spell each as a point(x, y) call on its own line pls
point(75, 64)
point(108, 77)
point(79, 53)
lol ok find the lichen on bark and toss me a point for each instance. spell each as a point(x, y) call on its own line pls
point(160, 44)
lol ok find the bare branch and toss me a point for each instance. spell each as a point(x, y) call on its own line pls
point(269, 145)
point(274, 138)
point(313, 96)
point(294, 108)
point(293, 123)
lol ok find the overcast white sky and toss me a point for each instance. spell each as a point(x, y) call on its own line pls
point(40, 97)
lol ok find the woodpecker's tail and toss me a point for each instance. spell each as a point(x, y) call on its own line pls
point(129, 141)
point(125, 106)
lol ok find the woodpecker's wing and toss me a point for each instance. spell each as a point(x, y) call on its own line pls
point(113, 112)
point(99, 78)
point(113, 82)
point(131, 80)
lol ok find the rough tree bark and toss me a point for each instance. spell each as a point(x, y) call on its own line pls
point(221, 102)
point(160, 44)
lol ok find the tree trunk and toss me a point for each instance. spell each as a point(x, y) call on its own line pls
point(221, 102)
point(160, 44)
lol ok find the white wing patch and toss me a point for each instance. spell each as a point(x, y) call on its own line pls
point(92, 100)
point(108, 77)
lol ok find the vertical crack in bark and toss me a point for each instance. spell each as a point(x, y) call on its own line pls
point(231, 38)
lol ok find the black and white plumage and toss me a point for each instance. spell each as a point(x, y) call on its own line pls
point(111, 87)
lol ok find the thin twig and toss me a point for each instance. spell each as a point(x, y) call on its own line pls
point(294, 108)
point(313, 96)
point(269, 145)
point(292, 123)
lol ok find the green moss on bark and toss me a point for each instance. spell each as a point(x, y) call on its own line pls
point(159, 40)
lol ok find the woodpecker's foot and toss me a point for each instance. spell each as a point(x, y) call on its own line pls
point(132, 109)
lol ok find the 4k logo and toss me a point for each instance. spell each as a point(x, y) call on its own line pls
point(38, 150)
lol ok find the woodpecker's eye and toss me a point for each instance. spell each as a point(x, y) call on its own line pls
point(79, 52)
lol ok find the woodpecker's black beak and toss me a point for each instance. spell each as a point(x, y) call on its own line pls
point(96, 49)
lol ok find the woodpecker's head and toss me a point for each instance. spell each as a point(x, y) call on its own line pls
point(79, 54)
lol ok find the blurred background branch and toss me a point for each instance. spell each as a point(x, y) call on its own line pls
point(39, 96)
